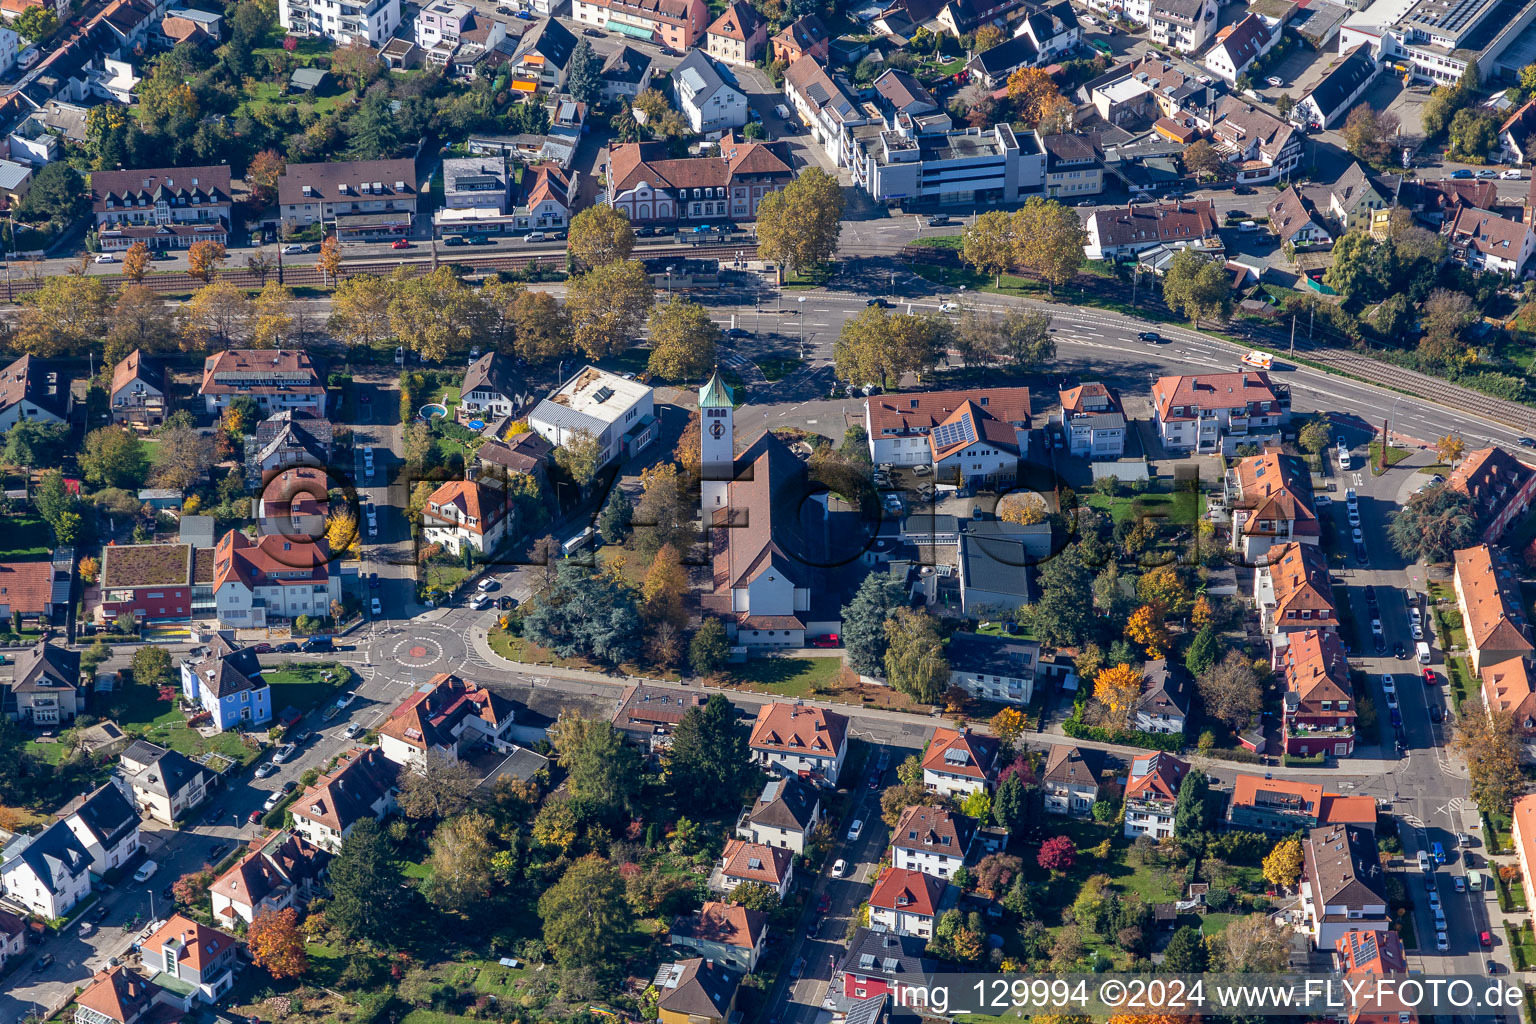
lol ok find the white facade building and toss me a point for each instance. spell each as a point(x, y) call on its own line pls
point(341, 21)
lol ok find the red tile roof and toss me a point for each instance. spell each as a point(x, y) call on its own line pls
point(755, 862)
point(1156, 777)
point(902, 414)
point(795, 729)
point(724, 923)
point(1371, 952)
point(1299, 575)
point(1490, 596)
point(1210, 391)
point(967, 754)
point(431, 714)
point(1274, 487)
point(1317, 669)
point(480, 506)
point(118, 994)
point(272, 560)
point(1489, 476)
point(908, 892)
point(27, 587)
point(203, 945)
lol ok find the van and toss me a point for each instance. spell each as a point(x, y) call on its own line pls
point(1423, 651)
point(1248, 227)
point(782, 111)
point(1475, 881)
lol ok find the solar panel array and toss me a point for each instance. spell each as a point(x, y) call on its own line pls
point(960, 431)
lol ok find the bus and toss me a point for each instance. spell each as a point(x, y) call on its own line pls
point(576, 543)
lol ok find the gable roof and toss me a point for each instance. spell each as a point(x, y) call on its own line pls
point(819, 88)
point(1316, 669)
point(46, 668)
point(933, 830)
point(961, 752)
point(804, 33)
point(738, 21)
point(1290, 213)
point(1165, 688)
point(226, 667)
point(756, 862)
point(725, 923)
point(27, 587)
point(55, 856)
point(1489, 475)
point(342, 180)
point(751, 533)
point(550, 40)
point(1371, 952)
point(904, 92)
point(909, 892)
point(1070, 765)
point(167, 774)
point(349, 793)
point(702, 77)
point(137, 366)
point(1510, 685)
point(432, 715)
point(698, 988)
point(118, 994)
point(271, 560)
point(197, 944)
point(1342, 81)
point(1490, 600)
point(104, 813)
point(274, 863)
point(480, 506)
point(41, 383)
point(1276, 487)
point(528, 452)
point(797, 729)
point(896, 415)
point(1184, 220)
point(786, 802)
point(876, 952)
point(1156, 777)
point(1343, 867)
point(1489, 233)
point(1244, 40)
point(144, 188)
point(1299, 577)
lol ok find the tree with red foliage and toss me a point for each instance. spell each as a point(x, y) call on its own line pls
point(192, 888)
point(1021, 767)
point(1057, 854)
point(276, 944)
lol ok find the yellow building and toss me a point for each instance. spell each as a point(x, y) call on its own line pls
point(696, 991)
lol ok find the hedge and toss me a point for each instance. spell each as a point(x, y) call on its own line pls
point(1171, 742)
point(1303, 760)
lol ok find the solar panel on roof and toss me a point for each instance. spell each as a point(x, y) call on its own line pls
point(957, 432)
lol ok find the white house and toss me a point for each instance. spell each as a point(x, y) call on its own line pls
point(163, 784)
point(31, 389)
point(224, 679)
point(369, 24)
point(1072, 779)
point(1343, 885)
point(276, 379)
point(1241, 45)
point(798, 740)
point(492, 388)
point(1483, 240)
point(783, 815)
point(467, 514)
point(1184, 25)
point(1151, 793)
point(106, 824)
point(959, 762)
point(707, 94)
point(203, 958)
point(932, 840)
point(908, 902)
point(363, 786)
point(448, 717)
point(620, 413)
point(996, 668)
point(1093, 421)
point(13, 937)
point(975, 436)
point(1216, 412)
point(47, 873)
point(1164, 702)
point(745, 861)
point(137, 395)
point(272, 578)
point(285, 871)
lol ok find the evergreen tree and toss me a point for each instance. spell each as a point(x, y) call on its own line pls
point(864, 622)
point(1063, 617)
point(366, 886)
point(583, 80)
point(613, 522)
point(1202, 651)
point(1189, 810)
point(709, 649)
point(709, 764)
point(1186, 953)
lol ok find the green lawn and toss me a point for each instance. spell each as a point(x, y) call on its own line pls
point(262, 93)
point(779, 367)
point(1394, 455)
point(139, 709)
point(30, 540)
point(1461, 682)
point(1179, 509)
point(515, 648)
point(788, 677)
point(305, 686)
point(53, 753)
point(325, 964)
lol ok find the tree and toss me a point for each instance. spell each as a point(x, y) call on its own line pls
point(1185, 953)
point(798, 225)
point(1491, 747)
point(879, 347)
point(65, 313)
point(1008, 724)
point(1315, 435)
point(709, 764)
point(607, 305)
point(329, 260)
point(710, 649)
point(1450, 448)
point(1118, 688)
point(1357, 272)
point(90, 568)
point(459, 866)
point(204, 257)
point(113, 457)
point(664, 514)
point(57, 193)
point(36, 24)
point(1370, 134)
point(437, 787)
point(274, 316)
point(604, 771)
point(1433, 524)
point(600, 235)
point(151, 667)
point(1197, 286)
point(683, 337)
point(1230, 691)
point(1032, 91)
point(583, 79)
point(356, 63)
point(579, 456)
point(543, 328)
point(136, 262)
point(139, 319)
point(1254, 945)
point(262, 175)
point(1190, 815)
point(864, 618)
point(758, 896)
point(614, 520)
point(1147, 628)
point(216, 315)
point(366, 886)
point(554, 827)
point(664, 590)
point(1057, 854)
point(341, 534)
point(435, 313)
point(1020, 337)
point(987, 245)
point(987, 36)
point(360, 310)
point(277, 944)
point(1163, 588)
point(1049, 239)
point(1063, 617)
point(1202, 160)
point(914, 656)
point(1202, 651)
point(1473, 134)
point(1282, 865)
point(184, 458)
point(1284, 105)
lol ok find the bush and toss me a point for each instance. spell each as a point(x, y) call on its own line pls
point(1170, 742)
point(1303, 760)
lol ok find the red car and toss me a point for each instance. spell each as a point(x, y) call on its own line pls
point(830, 640)
point(262, 648)
point(1485, 939)
point(824, 904)
point(400, 243)
point(1430, 679)
point(255, 816)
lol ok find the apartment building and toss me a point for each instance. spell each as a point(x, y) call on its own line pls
point(343, 22)
point(278, 380)
point(1294, 592)
point(1319, 701)
point(1211, 413)
point(163, 207)
point(362, 200)
point(1492, 609)
point(1269, 498)
point(677, 24)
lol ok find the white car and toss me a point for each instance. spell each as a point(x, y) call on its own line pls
point(1417, 630)
point(855, 829)
point(283, 753)
point(272, 800)
point(353, 730)
point(1434, 900)
point(839, 868)
point(1441, 942)
point(146, 871)
point(1089, 19)
point(346, 699)
point(479, 602)
point(1357, 536)
point(266, 769)
point(1512, 175)
point(106, 257)
point(1354, 515)
point(488, 583)
point(1273, 82)
point(1391, 700)
point(948, 307)
point(376, 606)
point(1350, 497)
point(292, 250)
point(1388, 684)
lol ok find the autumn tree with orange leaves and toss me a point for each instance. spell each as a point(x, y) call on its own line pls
point(276, 944)
point(1117, 689)
point(136, 262)
point(1146, 627)
point(204, 257)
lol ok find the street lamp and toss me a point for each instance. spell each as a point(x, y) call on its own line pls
point(801, 318)
point(151, 906)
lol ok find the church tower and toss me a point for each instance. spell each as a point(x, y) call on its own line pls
point(717, 444)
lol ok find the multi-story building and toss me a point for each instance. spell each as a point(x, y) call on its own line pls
point(193, 954)
point(744, 861)
point(156, 582)
point(1285, 806)
point(1319, 700)
point(106, 824)
point(958, 762)
point(1240, 45)
point(1295, 221)
point(783, 815)
point(932, 840)
point(441, 23)
point(723, 932)
point(1438, 42)
point(878, 964)
point(283, 871)
point(1117, 232)
point(806, 36)
point(827, 105)
point(1185, 25)
point(651, 187)
point(118, 995)
point(45, 686)
point(447, 717)
point(13, 937)
point(1523, 832)
point(968, 166)
point(1485, 240)
point(492, 388)
point(1269, 497)
point(163, 207)
point(344, 22)
point(270, 579)
point(284, 441)
point(163, 784)
point(1339, 90)
point(1150, 794)
point(138, 393)
point(467, 514)
point(224, 679)
point(806, 741)
point(278, 380)
point(696, 991)
point(1294, 593)
point(627, 72)
point(1492, 610)
point(1343, 886)
point(999, 668)
point(738, 35)
point(707, 94)
point(908, 902)
point(362, 786)
point(1501, 488)
point(618, 412)
point(1072, 779)
point(361, 199)
point(1092, 420)
point(1510, 686)
point(1074, 166)
point(1262, 148)
point(677, 24)
point(977, 435)
point(1216, 412)
point(1164, 702)
point(1355, 198)
point(47, 873)
point(32, 389)
point(476, 183)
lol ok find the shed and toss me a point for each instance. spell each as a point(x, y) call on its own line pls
point(163, 498)
point(307, 79)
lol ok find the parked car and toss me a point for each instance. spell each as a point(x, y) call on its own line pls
point(1441, 942)
point(1273, 82)
point(1462, 173)
point(273, 799)
point(1487, 173)
point(855, 829)
point(300, 737)
point(287, 648)
point(292, 250)
point(146, 871)
point(399, 243)
point(1460, 883)
point(265, 769)
point(283, 753)
point(1435, 714)
point(839, 868)
point(43, 963)
point(376, 607)
point(487, 583)
point(346, 699)
point(317, 645)
point(353, 730)
point(255, 816)
point(106, 257)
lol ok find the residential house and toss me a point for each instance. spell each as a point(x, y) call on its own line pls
point(192, 954)
point(1000, 668)
point(619, 412)
point(1164, 703)
point(1216, 412)
point(185, 25)
point(1492, 610)
point(707, 94)
point(45, 686)
point(794, 739)
point(476, 183)
point(163, 207)
point(1269, 497)
point(724, 933)
point(804, 37)
point(651, 187)
point(1184, 25)
point(900, 93)
point(1239, 45)
point(36, 591)
point(546, 202)
point(627, 73)
point(118, 995)
point(47, 873)
point(1523, 832)
point(294, 504)
point(908, 902)
point(993, 66)
point(1319, 701)
point(284, 441)
point(1484, 240)
point(1052, 27)
point(827, 104)
point(1354, 198)
point(106, 824)
point(677, 24)
point(31, 389)
point(9, 47)
point(1262, 148)
point(931, 840)
point(543, 57)
point(1283, 807)
point(745, 861)
point(958, 762)
point(1294, 220)
point(647, 715)
point(439, 24)
point(1141, 91)
point(1293, 592)
point(1511, 686)
point(1117, 232)
point(1074, 166)
point(363, 200)
point(446, 717)
point(1516, 132)
point(13, 937)
point(281, 870)
point(520, 453)
point(370, 24)
point(155, 582)
point(1343, 886)
point(1093, 420)
point(1364, 951)
point(138, 396)
point(163, 784)
point(878, 963)
point(1150, 793)
point(278, 380)
point(492, 388)
point(272, 578)
point(738, 35)
point(15, 178)
point(362, 786)
point(784, 814)
point(696, 991)
point(467, 514)
point(1073, 779)
point(970, 437)
point(1501, 488)
point(1339, 91)
point(224, 678)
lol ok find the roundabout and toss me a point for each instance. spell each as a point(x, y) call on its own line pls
point(418, 650)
